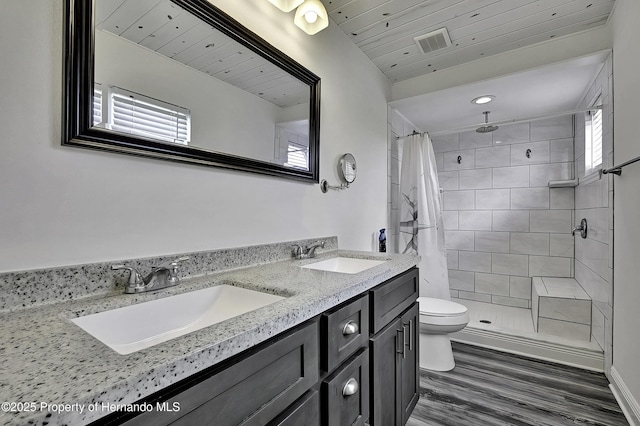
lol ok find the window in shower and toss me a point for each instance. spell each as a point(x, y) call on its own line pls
point(593, 139)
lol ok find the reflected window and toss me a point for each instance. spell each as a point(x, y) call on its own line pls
point(97, 104)
point(298, 156)
point(292, 144)
point(133, 113)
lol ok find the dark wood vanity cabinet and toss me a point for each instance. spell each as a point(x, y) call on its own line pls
point(253, 390)
point(344, 363)
point(409, 371)
point(343, 330)
point(356, 364)
point(395, 384)
point(391, 359)
point(305, 412)
point(391, 298)
point(345, 393)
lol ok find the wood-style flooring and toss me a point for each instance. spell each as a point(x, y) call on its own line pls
point(488, 387)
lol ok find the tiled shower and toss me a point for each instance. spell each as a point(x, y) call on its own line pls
point(504, 224)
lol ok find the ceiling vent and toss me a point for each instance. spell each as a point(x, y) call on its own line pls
point(433, 41)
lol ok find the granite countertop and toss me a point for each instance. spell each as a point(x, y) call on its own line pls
point(47, 361)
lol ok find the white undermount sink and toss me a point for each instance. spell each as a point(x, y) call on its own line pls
point(132, 328)
point(345, 265)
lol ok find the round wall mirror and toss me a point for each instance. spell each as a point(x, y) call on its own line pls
point(347, 168)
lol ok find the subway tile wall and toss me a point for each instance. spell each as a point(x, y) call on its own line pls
point(594, 201)
point(503, 224)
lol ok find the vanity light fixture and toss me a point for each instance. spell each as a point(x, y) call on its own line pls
point(286, 5)
point(484, 99)
point(311, 17)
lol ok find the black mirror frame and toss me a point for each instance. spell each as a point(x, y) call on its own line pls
point(78, 92)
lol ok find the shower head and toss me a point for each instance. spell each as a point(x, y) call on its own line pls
point(486, 128)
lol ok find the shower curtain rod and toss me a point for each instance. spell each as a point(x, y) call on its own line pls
point(514, 121)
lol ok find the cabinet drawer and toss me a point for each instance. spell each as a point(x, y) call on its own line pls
point(345, 330)
point(390, 299)
point(345, 393)
point(274, 377)
point(305, 412)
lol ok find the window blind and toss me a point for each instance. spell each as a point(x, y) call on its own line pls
point(140, 115)
point(297, 156)
point(593, 139)
point(97, 104)
point(596, 138)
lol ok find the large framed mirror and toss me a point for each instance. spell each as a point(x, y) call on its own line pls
point(181, 80)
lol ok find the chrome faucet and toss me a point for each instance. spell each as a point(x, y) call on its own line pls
point(161, 276)
point(300, 252)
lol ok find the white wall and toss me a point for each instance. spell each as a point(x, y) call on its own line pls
point(62, 205)
point(217, 108)
point(626, 296)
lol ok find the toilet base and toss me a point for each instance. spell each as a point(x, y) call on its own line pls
point(435, 352)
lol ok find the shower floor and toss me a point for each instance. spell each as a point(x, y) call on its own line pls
point(511, 330)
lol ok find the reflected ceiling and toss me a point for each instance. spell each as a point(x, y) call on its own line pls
point(163, 27)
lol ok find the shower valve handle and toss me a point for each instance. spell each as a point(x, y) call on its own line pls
point(582, 228)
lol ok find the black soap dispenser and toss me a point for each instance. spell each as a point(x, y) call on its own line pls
point(382, 241)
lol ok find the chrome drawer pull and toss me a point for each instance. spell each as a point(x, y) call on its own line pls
point(350, 388)
point(350, 328)
point(410, 325)
point(401, 345)
point(411, 335)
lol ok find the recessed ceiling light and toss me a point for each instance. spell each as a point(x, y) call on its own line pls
point(485, 99)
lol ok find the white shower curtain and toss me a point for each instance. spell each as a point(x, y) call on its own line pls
point(421, 227)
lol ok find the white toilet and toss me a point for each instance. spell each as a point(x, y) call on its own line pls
point(438, 318)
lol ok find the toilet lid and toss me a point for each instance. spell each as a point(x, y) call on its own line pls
point(440, 307)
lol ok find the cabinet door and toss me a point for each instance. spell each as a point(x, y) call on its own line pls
point(409, 390)
point(305, 412)
point(395, 380)
point(386, 348)
point(345, 393)
point(251, 391)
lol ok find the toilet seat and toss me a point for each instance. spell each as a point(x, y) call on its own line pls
point(440, 308)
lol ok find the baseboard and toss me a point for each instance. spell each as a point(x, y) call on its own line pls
point(577, 357)
point(630, 407)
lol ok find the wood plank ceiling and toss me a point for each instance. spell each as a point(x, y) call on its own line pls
point(167, 29)
point(385, 29)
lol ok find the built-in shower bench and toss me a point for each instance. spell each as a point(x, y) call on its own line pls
point(561, 307)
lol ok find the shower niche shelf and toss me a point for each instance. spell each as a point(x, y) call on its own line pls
point(568, 183)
